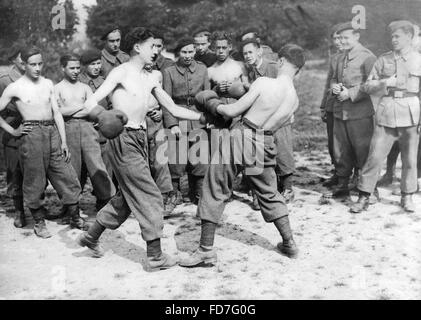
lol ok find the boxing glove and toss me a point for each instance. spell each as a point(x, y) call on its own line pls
point(110, 122)
point(208, 101)
point(236, 90)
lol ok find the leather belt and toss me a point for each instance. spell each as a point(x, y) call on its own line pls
point(39, 122)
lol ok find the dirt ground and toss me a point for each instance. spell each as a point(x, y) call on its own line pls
point(374, 255)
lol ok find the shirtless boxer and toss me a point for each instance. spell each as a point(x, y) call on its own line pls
point(267, 106)
point(43, 148)
point(131, 86)
point(226, 75)
point(82, 138)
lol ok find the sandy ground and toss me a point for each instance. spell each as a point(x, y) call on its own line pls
point(375, 255)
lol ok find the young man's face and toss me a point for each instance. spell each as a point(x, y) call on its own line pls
point(336, 39)
point(33, 66)
point(112, 44)
point(72, 70)
point(201, 44)
point(401, 40)
point(19, 63)
point(187, 54)
point(252, 54)
point(146, 50)
point(223, 49)
point(349, 39)
point(159, 44)
point(94, 68)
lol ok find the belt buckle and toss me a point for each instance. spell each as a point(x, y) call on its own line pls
point(398, 94)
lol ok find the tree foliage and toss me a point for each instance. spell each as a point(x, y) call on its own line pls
point(26, 22)
point(305, 22)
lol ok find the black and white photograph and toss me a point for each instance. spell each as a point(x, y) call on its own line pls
point(211, 150)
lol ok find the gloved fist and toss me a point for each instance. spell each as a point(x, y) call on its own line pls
point(208, 101)
point(236, 89)
point(110, 122)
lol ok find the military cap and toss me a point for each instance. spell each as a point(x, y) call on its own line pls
point(202, 32)
point(90, 55)
point(13, 52)
point(182, 43)
point(335, 29)
point(250, 30)
point(345, 26)
point(250, 40)
point(109, 30)
point(406, 25)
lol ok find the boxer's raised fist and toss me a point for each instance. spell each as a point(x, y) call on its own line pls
point(110, 122)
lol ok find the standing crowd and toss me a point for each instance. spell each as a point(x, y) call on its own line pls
point(105, 121)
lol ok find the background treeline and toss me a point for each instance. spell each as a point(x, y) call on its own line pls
point(305, 22)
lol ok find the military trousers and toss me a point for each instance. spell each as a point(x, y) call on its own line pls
point(381, 144)
point(219, 179)
point(351, 142)
point(138, 192)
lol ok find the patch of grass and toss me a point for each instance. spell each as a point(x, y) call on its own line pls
point(340, 284)
point(390, 225)
point(119, 275)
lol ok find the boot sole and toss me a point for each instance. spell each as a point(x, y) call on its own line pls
point(207, 263)
point(288, 253)
point(82, 244)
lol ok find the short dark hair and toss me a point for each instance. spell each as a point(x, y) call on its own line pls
point(221, 35)
point(26, 53)
point(202, 33)
point(250, 30)
point(294, 54)
point(158, 35)
point(64, 59)
point(136, 35)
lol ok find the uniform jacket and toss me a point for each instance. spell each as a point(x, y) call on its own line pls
point(162, 63)
point(11, 113)
point(208, 58)
point(110, 61)
point(94, 84)
point(352, 70)
point(182, 84)
point(328, 98)
point(266, 69)
point(397, 112)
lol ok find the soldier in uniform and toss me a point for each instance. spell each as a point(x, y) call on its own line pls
point(90, 75)
point(14, 176)
point(254, 34)
point(352, 109)
point(111, 55)
point(160, 171)
point(396, 75)
point(259, 66)
point(328, 100)
point(182, 81)
point(160, 62)
point(203, 52)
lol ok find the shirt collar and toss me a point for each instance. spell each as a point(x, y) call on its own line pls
point(112, 58)
point(84, 77)
point(404, 55)
point(14, 73)
point(354, 51)
point(261, 67)
point(182, 68)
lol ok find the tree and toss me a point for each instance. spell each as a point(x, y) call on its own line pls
point(26, 22)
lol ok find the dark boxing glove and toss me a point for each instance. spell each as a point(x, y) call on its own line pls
point(110, 122)
point(207, 101)
point(236, 90)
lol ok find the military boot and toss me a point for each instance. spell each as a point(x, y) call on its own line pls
point(40, 228)
point(85, 240)
point(341, 190)
point(386, 179)
point(20, 220)
point(199, 258)
point(170, 203)
point(255, 203)
point(407, 203)
point(288, 248)
point(161, 262)
point(100, 203)
point(332, 181)
point(75, 220)
point(362, 203)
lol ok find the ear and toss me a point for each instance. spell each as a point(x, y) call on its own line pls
point(136, 47)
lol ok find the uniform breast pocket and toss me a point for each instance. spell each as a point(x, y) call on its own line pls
point(389, 70)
